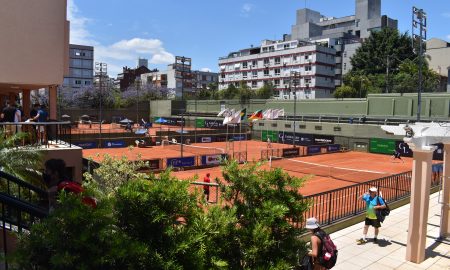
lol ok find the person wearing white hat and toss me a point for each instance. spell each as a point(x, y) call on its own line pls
point(373, 203)
point(316, 243)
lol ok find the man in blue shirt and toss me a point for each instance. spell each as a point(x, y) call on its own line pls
point(41, 117)
point(373, 203)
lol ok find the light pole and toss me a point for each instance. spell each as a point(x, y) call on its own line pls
point(419, 20)
point(101, 71)
point(295, 75)
point(182, 60)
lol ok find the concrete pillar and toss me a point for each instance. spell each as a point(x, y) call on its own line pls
point(445, 212)
point(420, 200)
point(26, 103)
point(52, 101)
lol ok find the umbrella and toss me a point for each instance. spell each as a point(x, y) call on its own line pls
point(65, 116)
point(126, 121)
point(161, 120)
point(181, 131)
point(85, 116)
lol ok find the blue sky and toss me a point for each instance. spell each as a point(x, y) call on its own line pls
point(205, 30)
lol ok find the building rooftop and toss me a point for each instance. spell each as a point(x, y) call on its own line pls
point(390, 251)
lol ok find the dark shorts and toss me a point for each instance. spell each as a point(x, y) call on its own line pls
point(373, 222)
point(206, 191)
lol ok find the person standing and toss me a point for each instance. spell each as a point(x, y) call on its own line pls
point(323, 252)
point(17, 119)
point(373, 203)
point(7, 115)
point(41, 117)
point(34, 111)
point(207, 180)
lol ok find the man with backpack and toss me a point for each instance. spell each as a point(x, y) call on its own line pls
point(373, 204)
point(323, 250)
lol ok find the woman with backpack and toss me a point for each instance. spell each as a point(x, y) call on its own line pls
point(323, 251)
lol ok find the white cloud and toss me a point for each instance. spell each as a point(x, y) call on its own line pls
point(205, 69)
point(246, 9)
point(122, 53)
point(448, 37)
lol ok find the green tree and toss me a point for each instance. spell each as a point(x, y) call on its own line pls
point(407, 78)
point(345, 91)
point(245, 92)
point(231, 92)
point(383, 49)
point(265, 204)
point(22, 161)
point(265, 92)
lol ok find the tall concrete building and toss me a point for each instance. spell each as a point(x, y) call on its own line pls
point(81, 69)
point(142, 62)
point(344, 34)
point(438, 52)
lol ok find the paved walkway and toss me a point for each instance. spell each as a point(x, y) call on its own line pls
point(390, 251)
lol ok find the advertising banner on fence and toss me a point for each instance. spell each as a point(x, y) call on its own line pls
point(86, 145)
point(382, 146)
point(273, 135)
point(334, 148)
point(210, 123)
point(313, 149)
point(300, 139)
point(239, 137)
point(213, 159)
point(205, 139)
point(114, 144)
point(200, 122)
point(172, 121)
point(181, 162)
point(153, 164)
point(323, 139)
point(291, 152)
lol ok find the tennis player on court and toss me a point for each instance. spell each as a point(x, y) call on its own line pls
point(397, 155)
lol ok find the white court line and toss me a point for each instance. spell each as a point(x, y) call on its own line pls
point(331, 167)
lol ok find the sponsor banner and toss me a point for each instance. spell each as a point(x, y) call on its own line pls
point(323, 139)
point(205, 139)
point(439, 152)
point(200, 122)
point(210, 123)
point(313, 149)
point(291, 152)
point(86, 145)
point(403, 148)
point(114, 144)
point(240, 137)
point(172, 121)
point(153, 164)
point(181, 162)
point(220, 138)
point(273, 135)
point(382, 146)
point(300, 139)
point(213, 159)
point(334, 148)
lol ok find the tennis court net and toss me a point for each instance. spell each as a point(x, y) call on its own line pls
point(195, 149)
point(339, 173)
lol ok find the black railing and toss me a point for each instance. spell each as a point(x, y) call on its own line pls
point(40, 133)
point(22, 205)
point(339, 204)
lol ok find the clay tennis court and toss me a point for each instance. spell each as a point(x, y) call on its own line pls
point(331, 173)
point(253, 149)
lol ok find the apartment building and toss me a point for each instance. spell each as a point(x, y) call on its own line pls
point(438, 57)
point(81, 69)
point(275, 61)
point(344, 34)
point(202, 79)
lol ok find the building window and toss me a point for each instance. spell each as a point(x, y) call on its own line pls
point(277, 71)
point(244, 74)
point(308, 68)
point(254, 63)
point(266, 72)
point(295, 57)
point(277, 60)
point(244, 64)
point(345, 66)
point(203, 77)
point(307, 80)
point(277, 83)
point(286, 46)
point(266, 61)
point(307, 57)
point(271, 49)
point(87, 83)
point(222, 76)
point(345, 54)
point(254, 74)
point(78, 82)
point(265, 49)
point(254, 84)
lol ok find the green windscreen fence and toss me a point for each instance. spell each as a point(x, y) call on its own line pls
point(382, 146)
point(273, 135)
point(200, 122)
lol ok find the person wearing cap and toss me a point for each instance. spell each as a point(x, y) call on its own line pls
point(313, 226)
point(372, 199)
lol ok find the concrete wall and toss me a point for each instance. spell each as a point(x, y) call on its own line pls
point(33, 42)
point(132, 113)
point(435, 106)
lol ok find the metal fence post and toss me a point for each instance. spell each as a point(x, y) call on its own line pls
point(329, 208)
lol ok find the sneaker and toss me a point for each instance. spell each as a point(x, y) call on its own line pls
point(375, 240)
point(361, 241)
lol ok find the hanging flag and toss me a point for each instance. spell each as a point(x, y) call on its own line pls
point(225, 112)
point(256, 115)
point(267, 114)
point(234, 118)
point(243, 114)
point(281, 113)
point(222, 112)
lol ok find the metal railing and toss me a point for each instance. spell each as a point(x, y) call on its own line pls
point(22, 205)
point(40, 133)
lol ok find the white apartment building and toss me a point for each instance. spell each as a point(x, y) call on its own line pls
point(274, 61)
